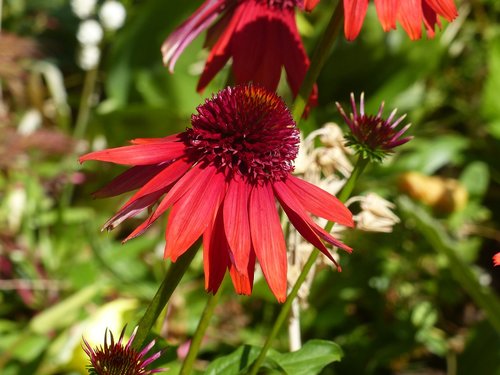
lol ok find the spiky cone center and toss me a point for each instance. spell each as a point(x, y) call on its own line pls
point(246, 131)
point(282, 4)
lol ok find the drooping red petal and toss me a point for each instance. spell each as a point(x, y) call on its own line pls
point(215, 254)
point(295, 58)
point(268, 240)
point(132, 209)
point(194, 176)
point(142, 154)
point(191, 214)
point(236, 225)
point(299, 218)
point(220, 54)
point(133, 178)
point(319, 202)
point(175, 44)
point(162, 181)
point(257, 46)
point(354, 15)
point(496, 259)
point(445, 8)
point(387, 11)
point(243, 281)
point(430, 19)
point(410, 16)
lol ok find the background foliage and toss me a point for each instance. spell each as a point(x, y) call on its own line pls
point(401, 306)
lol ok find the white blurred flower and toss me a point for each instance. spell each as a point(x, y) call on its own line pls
point(89, 33)
point(83, 8)
point(89, 56)
point(112, 15)
point(16, 206)
point(376, 213)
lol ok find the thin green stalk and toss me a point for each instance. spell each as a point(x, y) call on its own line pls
point(194, 348)
point(318, 59)
point(162, 296)
point(285, 309)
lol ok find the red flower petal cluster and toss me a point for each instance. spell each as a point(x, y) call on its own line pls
point(409, 13)
point(220, 179)
point(260, 36)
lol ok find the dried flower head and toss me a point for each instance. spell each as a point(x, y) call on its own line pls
point(115, 358)
point(373, 137)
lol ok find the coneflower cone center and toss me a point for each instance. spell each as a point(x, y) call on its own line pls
point(245, 130)
point(117, 360)
point(374, 132)
point(283, 4)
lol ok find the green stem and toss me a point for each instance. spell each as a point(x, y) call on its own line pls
point(162, 296)
point(285, 309)
point(194, 348)
point(318, 59)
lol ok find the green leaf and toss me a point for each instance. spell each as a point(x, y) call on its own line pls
point(235, 362)
point(310, 359)
point(476, 178)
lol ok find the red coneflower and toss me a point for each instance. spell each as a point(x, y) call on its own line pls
point(118, 359)
point(221, 178)
point(260, 36)
point(373, 136)
point(409, 13)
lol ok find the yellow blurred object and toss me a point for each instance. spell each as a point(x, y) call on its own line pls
point(445, 195)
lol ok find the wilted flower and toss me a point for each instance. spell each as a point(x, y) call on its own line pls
point(376, 213)
point(372, 136)
point(260, 36)
point(410, 15)
point(119, 359)
point(221, 178)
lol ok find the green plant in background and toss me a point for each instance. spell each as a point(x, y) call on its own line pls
point(421, 298)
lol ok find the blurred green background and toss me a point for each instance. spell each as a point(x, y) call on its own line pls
point(420, 300)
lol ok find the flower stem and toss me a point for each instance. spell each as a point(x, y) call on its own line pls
point(194, 348)
point(285, 309)
point(318, 59)
point(167, 287)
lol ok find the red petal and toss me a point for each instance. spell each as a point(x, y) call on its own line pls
point(142, 154)
point(445, 8)
point(257, 45)
point(243, 281)
point(299, 218)
point(215, 254)
point(294, 56)
point(193, 177)
point(220, 54)
point(145, 141)
point(132, 209)
point(410, 16)
point(175, 44)
point(131, 179)
point(387, 11)
point(268, 240)
point(236, 225)
point(319, 202)
point(496, 259)
point(354, 14)
point(191, 214)
point(162, 181)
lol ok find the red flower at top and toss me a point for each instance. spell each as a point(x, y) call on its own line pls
point(260, 36)
point(220, 179)
point(409, 13)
